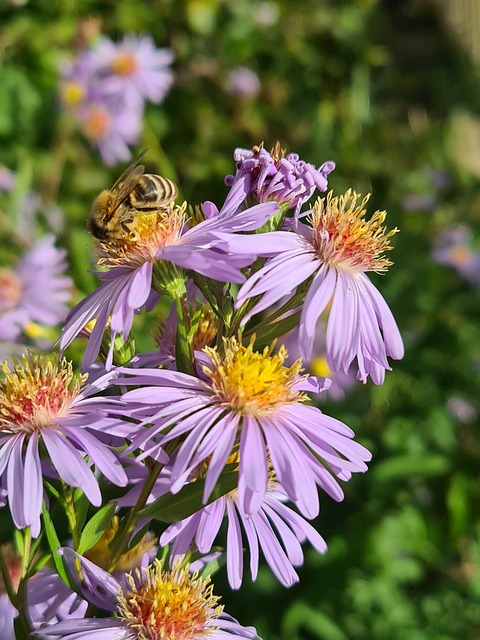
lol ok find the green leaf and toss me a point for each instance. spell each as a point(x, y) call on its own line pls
point(95, 528)
point(81, 507)
point(173, 508)
point(54, 544)
point(268, 334)
point(183, 346)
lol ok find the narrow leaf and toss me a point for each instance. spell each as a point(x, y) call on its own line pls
point(173, 508)
point(54, 544)
point(95, 528)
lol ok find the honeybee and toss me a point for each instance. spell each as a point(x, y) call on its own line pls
point(114, 210)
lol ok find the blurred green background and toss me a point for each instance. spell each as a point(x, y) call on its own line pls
point(390, 91)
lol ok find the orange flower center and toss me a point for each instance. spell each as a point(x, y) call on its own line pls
point(125, 64)
point(10, 290)
point(343, 237)
point(169, 605)
point(97, 124)
point(35, 392)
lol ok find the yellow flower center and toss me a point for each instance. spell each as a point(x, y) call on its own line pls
point(319, 367)
point(148, 232)
point(125, 64)
point(251, 382)
point(169, 605)
point(72, 93)
point(10, 290)
point(97, 123)
point(344, 238)
point(35, 393)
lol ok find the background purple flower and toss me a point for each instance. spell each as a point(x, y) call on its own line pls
point(454, 247)
point(35, 291)
point(242, 81)
point(106, 87)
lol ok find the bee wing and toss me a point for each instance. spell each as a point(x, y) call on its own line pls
point(130, 168)
point(127, 182)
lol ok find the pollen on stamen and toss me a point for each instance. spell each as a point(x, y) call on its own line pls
point(252, 382)
point(343, 237)
point(35, 392)
point(171, 605)
point(148, 232)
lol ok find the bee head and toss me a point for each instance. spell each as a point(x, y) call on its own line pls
point(100, 214)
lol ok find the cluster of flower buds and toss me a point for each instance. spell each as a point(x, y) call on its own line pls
point(216, 423)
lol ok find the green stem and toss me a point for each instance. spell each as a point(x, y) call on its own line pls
point(120, 543)
point(71, 514)
point(27, 543)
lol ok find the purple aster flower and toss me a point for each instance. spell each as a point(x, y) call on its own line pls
point(8, 613)
point(111, 130)
point(49, 600)
point(275, 176)
point(149, 603)
point(244, 82)
point(44, 406)
point(156, 246)
point(80, 81)
point(250, 402)
point(275, 528)
point(331, 255)
point(317, 365)
point(36, 291)
point(454, 247)
point(135, 69)
point(462, 410)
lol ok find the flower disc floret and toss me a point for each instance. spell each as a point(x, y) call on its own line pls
point(251, 382)
point(342, 236)
point(149, 232)
point(46, 413)
point(35, 393)
point(168, 605)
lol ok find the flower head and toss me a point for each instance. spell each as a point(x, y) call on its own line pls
point(275, 528)
point(243, 82)
point(147, 261)
point(111, 129)
point(275, 176)
point(106, 87)
point(36, 291)
point(135, 69)
point(250, 403)
point(317, 365)
point(454, 247)
point(44, 403)
point(329, 256)
point(151, 602)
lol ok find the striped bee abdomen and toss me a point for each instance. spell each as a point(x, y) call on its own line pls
point(152, 192)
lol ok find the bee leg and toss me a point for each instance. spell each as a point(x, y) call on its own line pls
point(126, 225)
